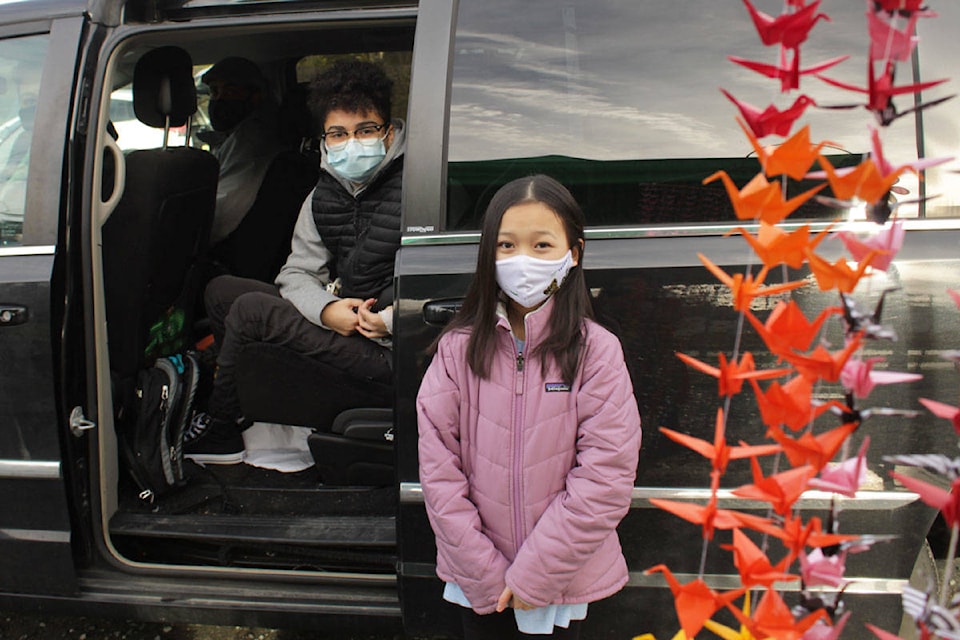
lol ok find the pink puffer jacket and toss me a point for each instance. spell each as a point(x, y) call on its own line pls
point(525, 478)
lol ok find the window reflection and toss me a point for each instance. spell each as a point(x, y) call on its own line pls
point(620, 99)
point(21, 62)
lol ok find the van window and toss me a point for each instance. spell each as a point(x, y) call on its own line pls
point(21, 65)
point(621, 102)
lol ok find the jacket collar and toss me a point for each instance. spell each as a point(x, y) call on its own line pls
point(535, 321)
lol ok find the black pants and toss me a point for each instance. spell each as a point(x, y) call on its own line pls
point(243, 311)
point(503, 626)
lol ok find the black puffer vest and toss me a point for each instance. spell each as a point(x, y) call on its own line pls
point(362, 233)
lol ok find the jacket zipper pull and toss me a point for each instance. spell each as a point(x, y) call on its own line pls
point(519, 363)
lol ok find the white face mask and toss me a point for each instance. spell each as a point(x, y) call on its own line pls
point(530, 281)
point(356, 161)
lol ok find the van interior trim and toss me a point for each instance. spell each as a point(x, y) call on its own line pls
point(686, 231)
point(412, 493)
point(38, 250)
point(33, 469)
point(36, 535)
point(727, 582)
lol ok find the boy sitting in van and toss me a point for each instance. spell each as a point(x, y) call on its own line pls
point(333, 297)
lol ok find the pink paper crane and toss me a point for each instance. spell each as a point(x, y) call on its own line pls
point(816, 568)
point(844, 478)
point(887, 241)
point(859, 377)
point(822, 631)
point(888, 42)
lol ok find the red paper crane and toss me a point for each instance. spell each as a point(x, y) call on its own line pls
point(880, 92)
point(788, 73)
point(945, 411)
point(719, 452)
point(789, 404)
point(793, 157)
point(948, 502)
point(695, 602)
point(774, 246)
point(900, 6)
point(787, 330)
point(788, 29)
point(810, 450)
point(772, 121)
point(781, 490)
point(745, 289)
point(732, 376)
point(821, 364)
point(753, 565)
point(838, 275)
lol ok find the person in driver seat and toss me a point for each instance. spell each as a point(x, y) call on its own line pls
point(333, 299)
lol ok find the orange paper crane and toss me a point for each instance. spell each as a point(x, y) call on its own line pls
point(775, 246)
point(789, 404)
point(730, 376)
point(839, 275)
point(781, 490)
point(773, 619)
point(760, 198)
point(753, 565)
point(808, 449)
point(821, 364)
point(793, 157)
point(709, 517)
point(719, 452)
point(695, 602)
point(797, 535)
point(787, 330)
point(746, 288)
point(865, 182)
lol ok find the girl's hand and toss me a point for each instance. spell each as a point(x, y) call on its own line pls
point(341, 315)
point(505, 599)
point(508, 599)
point(371, 324)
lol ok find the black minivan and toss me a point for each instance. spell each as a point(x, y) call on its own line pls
point(618, 99)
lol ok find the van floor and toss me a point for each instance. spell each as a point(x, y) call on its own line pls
point(243, 489)
point(244, 516)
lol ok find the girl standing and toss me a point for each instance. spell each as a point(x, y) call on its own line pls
point(529, 429)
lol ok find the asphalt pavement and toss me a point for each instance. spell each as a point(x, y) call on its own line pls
point(18, 626)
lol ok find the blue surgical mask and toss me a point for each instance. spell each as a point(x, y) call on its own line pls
point(356, 162)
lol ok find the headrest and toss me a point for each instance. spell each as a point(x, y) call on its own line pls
point(163, 86)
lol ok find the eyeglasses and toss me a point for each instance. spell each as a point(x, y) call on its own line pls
point(367, 135)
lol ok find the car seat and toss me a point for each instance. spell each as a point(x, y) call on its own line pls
point(161, 224)
point(352, 417)
point(259, 246)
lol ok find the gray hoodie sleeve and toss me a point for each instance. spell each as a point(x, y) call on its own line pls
point(304, 277)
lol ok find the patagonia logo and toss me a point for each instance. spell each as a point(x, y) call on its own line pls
point(556, 386)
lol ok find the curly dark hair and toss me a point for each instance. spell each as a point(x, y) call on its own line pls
point(353, 86)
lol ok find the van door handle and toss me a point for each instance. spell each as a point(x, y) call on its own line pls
point(11, 314)
point(440, 312)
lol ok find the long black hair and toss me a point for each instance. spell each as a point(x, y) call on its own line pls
point(571, 302)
